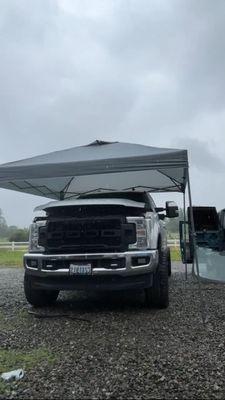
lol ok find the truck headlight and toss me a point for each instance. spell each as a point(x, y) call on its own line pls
point(34, 237)
point(141, 233)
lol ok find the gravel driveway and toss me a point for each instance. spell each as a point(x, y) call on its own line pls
point(112, 346)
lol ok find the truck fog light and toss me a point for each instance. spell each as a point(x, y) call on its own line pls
point(137, 261)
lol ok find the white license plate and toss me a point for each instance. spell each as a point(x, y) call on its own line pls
point(80, 269)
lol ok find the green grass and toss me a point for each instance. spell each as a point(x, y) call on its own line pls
point(11, 258)
point(175, 254)
point(14, 359)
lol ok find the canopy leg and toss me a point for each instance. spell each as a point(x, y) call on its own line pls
point(193, 235)
point(61, 195)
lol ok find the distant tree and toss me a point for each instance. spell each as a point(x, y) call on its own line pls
point(19, 235)
point(11, 230)
point(3, 225)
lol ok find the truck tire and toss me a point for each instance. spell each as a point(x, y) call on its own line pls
point(169, 261)
point(36, 297)
point(158, 294)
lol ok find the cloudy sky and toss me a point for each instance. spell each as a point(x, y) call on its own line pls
point(142, 71)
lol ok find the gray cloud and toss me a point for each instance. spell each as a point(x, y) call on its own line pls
point(201, 155)
point(148, 71)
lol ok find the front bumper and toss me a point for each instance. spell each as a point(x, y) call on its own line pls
point(109, 270)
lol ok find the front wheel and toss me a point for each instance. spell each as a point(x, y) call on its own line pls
point(36, 297)
point(158, 294)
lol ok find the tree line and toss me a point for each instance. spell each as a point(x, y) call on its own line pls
point(12, 233)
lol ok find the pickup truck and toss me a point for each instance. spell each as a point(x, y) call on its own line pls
point(105, 241)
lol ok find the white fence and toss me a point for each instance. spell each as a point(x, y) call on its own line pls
point(24, 245)
point(173, 242)
point(14, 245)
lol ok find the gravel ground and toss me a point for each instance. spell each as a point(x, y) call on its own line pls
point(112, 346)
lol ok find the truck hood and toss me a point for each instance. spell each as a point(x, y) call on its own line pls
point(90, 202)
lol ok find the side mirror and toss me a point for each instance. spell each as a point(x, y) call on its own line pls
point(171, 209)
point(162, 216)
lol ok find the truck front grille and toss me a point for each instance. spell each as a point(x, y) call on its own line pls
point(87, 235)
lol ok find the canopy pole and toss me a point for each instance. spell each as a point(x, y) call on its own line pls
point(185, 234)
point(193, 236)
point(61, 195)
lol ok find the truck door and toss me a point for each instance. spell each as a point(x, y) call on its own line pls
point(207, 229)
point(210, 241)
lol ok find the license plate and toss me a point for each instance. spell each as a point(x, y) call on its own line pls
point(80, 269)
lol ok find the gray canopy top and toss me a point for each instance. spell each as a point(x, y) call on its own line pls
point(98, 167)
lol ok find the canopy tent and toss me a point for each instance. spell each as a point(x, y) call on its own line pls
point(99, 166)
point(102, 167)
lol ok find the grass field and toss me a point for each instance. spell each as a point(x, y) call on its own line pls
point(14, 359)
point(11, 258)
point(175, 254)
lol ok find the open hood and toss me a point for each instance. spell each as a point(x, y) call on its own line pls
point(98, 167)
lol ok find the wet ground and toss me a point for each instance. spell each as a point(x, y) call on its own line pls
point(113, 346)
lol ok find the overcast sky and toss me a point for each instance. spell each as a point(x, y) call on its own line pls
point(142, 71)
